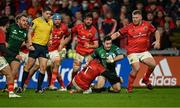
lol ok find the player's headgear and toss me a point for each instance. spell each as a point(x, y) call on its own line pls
point(56, 16)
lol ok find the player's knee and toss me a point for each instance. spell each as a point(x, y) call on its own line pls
point(76, 67)
point(43, 68)
point(117, 89)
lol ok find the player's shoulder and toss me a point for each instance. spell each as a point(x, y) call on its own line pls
point(93, 28)
point(37, 19)
point(99, 48)
point(79, 25)
point(115, 47)
point(145, 22)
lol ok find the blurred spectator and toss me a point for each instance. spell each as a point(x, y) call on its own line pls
point(113, 7)
point(34, 9)
point(53, 5)
point(140, 6)
point(75, 7)
point(65, 8)
point(85, 4)
point(94, 4)
point(109, 25)
point(173, 9)
point(123, 13)
point(150, 18)
point(78, 18)
point(159, 18)
point(97, 20)
point(154, 8)
point(167, 23)
point(165, 38)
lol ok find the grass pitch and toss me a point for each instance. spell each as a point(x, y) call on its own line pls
point(141, 97)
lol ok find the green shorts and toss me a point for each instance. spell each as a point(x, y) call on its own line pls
point(10, 59)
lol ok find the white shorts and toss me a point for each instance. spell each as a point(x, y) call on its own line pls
point(3, 63)
point(80, 58)
point(52, 55)
point(136, 57)
point(24, 56)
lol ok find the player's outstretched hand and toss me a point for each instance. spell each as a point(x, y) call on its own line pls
point(156, 45)
point(31, 48)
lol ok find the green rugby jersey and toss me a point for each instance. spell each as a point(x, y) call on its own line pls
point(101, 54)
point(16, 36)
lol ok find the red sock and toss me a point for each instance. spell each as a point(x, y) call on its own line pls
point(54, 75)
point(49, 77)
point(27, 80)
point(148, 73)
point(11, 87)
point(131, 81)
point(59, 78)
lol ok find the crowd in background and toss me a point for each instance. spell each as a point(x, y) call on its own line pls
point(108, 15)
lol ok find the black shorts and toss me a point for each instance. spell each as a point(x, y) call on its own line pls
point(111, 77)
point(40, 51)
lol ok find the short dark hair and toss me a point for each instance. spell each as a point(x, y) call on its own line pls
point(46, 8)
point(89, 14)
point(107, 38)
point(19, 16)
point(4, 20)
point(135, 12)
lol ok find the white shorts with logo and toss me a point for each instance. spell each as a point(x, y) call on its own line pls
point(3, 63)
point(136, 57)
point(24, 56)
point(80, 58)
point(56, 54)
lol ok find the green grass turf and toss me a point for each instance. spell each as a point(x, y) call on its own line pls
point(158, 97)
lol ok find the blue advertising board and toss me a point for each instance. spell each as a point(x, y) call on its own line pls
point(122, 68)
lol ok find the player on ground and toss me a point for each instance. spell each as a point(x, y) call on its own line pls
point(138, 43)
point(84, 78)
point(108, 54)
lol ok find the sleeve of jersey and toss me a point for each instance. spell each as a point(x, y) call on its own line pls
point(95, 37)
point(74, 29)
point(151, 27)
point(124, 30)
point(66, 32)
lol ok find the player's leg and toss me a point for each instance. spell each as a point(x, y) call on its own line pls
point(150, 62)
point(54, 62)
point(6, 70)
point(76, 66)
point(134, 61)
point(77, 88)
point(135, 68)
point(62, 54)
point(25, 73)
point(15, 67)
point(31, 73)
point(98, 87)
point(55, 69)
point(43, 65)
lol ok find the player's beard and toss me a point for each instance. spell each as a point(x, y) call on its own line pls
point(88, 26)
point(57, 25)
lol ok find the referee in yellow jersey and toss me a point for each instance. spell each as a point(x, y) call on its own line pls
point(41, 30)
